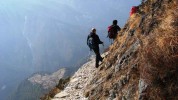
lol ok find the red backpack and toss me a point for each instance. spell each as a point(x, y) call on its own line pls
point(133, 10)
point(111, 32)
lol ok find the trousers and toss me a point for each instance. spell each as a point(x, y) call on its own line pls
point(98, 57)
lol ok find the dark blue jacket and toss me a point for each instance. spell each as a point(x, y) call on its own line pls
point(96, 40)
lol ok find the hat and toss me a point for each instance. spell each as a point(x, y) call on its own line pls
point(93, 29)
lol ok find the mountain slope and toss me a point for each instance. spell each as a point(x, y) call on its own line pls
point(142, 62)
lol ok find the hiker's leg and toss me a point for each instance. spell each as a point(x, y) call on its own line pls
point(97, 57)
point(98, 54)
point(97, 63)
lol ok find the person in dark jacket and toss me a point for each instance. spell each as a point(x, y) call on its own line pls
point(113, 30)
point(95, 46)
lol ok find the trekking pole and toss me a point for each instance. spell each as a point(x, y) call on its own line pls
point(103, 46)
point(89, 54)
point(110, 41)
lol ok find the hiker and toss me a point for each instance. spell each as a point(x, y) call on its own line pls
point(93, 42)
point(113, 30)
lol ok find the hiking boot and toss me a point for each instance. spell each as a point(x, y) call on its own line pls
point(101, 59)
point(97, 65)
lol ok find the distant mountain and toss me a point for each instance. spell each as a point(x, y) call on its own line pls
point(47, 81)
point(41, 83)
point(37, 85)
point(27, 91)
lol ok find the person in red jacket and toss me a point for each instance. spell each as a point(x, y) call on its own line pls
point(134, 9)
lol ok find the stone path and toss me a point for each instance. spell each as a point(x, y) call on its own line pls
point(77, 84)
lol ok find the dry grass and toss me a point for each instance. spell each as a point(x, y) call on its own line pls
point(159, 57)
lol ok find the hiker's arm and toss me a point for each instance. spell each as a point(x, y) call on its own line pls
point(99, 41)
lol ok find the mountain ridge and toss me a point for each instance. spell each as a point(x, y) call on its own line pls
point(142, 62)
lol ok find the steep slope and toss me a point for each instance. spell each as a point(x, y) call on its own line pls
point(142, 62)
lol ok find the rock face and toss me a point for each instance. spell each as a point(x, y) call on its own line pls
point(140, 65)
point(48, 81)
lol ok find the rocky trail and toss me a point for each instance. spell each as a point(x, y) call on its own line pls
point(75, 89)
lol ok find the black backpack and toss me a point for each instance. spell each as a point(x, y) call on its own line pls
point(90, 42)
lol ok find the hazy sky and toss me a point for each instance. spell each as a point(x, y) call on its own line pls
point(118, 8)
point(27, 23)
